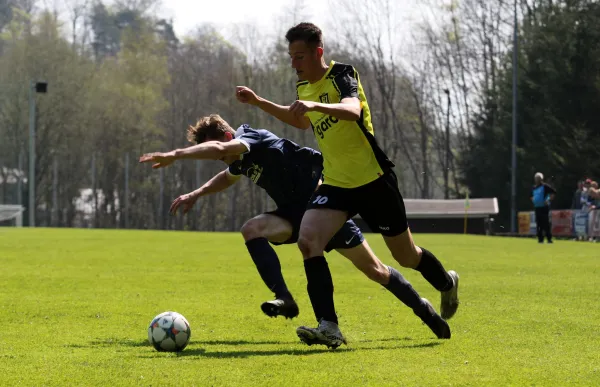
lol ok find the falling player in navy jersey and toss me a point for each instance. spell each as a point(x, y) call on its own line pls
point(290, 174)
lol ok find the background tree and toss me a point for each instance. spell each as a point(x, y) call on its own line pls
point(558, 92)
point(121, 83)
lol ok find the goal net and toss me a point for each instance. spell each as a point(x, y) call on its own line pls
point(11, 215)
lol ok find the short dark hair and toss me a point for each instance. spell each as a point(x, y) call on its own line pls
point(306, 32)
point(208, 128)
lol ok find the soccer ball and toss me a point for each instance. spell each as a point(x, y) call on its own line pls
point(169, 332)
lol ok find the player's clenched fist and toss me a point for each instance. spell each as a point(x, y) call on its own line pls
point(300, 108)
point(246, 95)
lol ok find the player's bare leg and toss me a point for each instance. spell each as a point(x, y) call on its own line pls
point(409, 255)
point(317, 228)
point(365, 260)
point(257, 233)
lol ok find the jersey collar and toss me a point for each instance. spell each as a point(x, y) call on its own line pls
point(327, 73)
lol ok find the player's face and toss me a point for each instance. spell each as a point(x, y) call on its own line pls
point(305, 60)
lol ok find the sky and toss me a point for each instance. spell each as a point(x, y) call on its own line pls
point(187, 14)
point(231, 16)
point(228, 15)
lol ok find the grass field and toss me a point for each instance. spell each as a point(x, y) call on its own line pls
point(75, 305)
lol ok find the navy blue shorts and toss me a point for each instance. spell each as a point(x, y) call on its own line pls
point(347, 237)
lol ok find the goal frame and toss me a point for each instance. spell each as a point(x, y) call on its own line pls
point(12, 211)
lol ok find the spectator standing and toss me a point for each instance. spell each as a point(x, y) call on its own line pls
point(576, 203)
point(594, 195)
point(585, 194)
point(541, 196)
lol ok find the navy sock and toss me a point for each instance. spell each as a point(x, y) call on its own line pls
point(269, 268)
point(320, 288)
point(403, 290)
point(433, 271)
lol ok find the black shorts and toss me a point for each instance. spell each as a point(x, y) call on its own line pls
point(379, 203)
point(347, 237)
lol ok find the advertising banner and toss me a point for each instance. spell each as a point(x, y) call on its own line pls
point(524, 223)
point(562, 223)
point(532, 224)
point(580, 222)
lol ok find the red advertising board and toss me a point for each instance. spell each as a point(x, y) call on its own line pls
point(562, 223)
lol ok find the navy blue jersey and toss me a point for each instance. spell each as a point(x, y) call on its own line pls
point(288, 172)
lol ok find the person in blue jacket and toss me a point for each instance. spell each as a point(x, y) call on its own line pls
point(542, 196)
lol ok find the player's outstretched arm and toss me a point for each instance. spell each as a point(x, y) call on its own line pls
point(218, 183)
point(282, 113)
point(210, 150)
point(348, 109)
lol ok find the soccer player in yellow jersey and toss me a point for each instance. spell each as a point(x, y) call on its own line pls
point(358, 178)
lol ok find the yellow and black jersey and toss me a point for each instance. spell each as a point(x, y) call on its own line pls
point(351, 156)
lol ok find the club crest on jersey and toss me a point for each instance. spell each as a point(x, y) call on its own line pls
point(254, 173)
point(324, 98)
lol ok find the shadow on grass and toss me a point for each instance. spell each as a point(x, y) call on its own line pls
point(244, 342)
point(111, 342)
point(244, 353)
point(120, 342)
point(274, 342)
point(201, 352)
point(384, 340)
point(422, 345)
point(303, 351)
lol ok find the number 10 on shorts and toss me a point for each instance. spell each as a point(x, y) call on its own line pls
point(320, 200)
